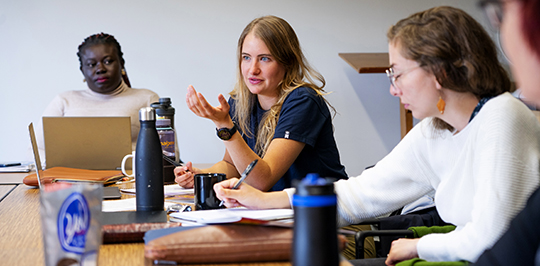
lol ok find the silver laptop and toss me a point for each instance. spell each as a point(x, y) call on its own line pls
point(95, 143)
point(108, 192)
point(35, 150)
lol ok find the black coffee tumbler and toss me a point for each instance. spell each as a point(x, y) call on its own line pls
point(149, 164)
point(205, 196)
point(315, 228)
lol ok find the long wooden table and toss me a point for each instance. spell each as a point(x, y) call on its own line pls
point(21, 238)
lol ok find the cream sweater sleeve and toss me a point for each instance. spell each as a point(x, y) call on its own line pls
point(398, 179)
point(504, 155)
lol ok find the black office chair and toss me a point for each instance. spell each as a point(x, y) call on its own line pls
point(412, 232)
point(396, 221)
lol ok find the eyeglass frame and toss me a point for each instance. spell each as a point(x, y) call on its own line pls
point(494, 11)
point(393, 77)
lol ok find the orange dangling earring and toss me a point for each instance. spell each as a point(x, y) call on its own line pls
point(123, 72)
point(441, 105)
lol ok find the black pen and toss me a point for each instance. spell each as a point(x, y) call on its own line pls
point(9, 164)
point(242, 177)
point(173, 162)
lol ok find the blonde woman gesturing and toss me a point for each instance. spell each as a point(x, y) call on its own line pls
point(276, 113)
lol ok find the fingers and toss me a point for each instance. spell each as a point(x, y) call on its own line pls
point(244, 196)
point(184, 175)
point(388, 261)
point(192, 101)
point(190, 168)
point(224, 104)
point(199, 105)
point(203, 102)
point(223, 188)
point(185, 180)
point(402, 249)
point(180, 170)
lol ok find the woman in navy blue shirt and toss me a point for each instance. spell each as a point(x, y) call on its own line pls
point(276, 113)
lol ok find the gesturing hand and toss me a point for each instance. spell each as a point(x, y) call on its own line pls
point(199, 106)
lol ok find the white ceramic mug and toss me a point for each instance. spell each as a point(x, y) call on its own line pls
point(132, 156)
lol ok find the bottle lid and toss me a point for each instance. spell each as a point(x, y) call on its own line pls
point(163, 122)
point(165, 101)
point(163, 107)
point(147, 114)
point(312, 184)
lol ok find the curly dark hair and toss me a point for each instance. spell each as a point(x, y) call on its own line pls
point(103, 38)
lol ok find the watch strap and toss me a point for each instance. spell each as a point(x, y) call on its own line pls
point(226, 133)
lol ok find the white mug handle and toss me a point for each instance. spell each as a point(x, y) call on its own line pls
point(132, 155)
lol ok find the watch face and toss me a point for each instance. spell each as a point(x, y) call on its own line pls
point(224, 134)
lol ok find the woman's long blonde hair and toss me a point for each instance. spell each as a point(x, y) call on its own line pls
point(284, 46)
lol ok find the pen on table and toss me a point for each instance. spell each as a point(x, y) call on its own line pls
point(10, 164)
point(242, 177)
point(173, 162)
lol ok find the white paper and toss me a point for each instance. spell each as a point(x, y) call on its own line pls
point(23, 168)
point(123, 205)
point(232, 215)
point(169, 190)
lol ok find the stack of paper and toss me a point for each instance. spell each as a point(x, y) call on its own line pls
point(123, 205)
point(232, 215)
point(20, 168)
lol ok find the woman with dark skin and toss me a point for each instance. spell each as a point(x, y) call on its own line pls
point(109, 92)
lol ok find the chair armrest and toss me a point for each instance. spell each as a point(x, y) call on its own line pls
point(420, 231)
point(361, 236)
point(376, 221)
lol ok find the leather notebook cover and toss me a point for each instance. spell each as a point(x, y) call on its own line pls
point(73, 174)
point(223, 244)
point(130, 226)
point(129, 217)
point(129, 233)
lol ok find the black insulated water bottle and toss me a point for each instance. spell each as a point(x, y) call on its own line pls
point(164, 109)
point(315, 232)
point(149, 164)
point(164, 112)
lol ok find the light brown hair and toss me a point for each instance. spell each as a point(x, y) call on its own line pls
point(453, 46)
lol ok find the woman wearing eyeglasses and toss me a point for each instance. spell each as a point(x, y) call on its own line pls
point(477, 147)
point(520, 36)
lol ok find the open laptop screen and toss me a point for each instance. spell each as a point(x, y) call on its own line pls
point(95, 143)
point(35, 150)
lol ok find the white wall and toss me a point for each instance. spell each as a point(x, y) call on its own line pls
point(169, 44)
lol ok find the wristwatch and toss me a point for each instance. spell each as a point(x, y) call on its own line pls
point(225, 133)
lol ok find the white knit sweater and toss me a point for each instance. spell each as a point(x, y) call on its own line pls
point(481, 176)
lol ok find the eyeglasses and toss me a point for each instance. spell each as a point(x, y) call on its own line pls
point(393, 77)
point(494, 11)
